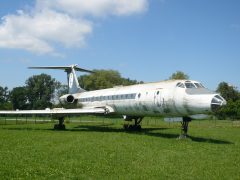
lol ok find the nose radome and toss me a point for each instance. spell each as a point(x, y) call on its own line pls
point(217, 102)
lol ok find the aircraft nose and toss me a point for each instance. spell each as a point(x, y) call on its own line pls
point(217, 102)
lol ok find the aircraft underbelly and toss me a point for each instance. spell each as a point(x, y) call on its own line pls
point(144, 108)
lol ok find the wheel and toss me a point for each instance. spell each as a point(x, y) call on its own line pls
point(131, 127)
point(126, 126)
point(59, 127)
point(56, 126)
point(138, 128)
point(63, 127)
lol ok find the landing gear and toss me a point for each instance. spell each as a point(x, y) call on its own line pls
point(184, 128)
point(132, 123)
point(60, 125)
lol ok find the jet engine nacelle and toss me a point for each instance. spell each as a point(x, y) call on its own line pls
point(67, 99)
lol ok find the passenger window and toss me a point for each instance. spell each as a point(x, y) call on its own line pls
point(139, 95)
point(133, 96)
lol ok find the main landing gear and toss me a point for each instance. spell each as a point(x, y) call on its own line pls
point(184, 128)
point(132, 123)
point(60, 125)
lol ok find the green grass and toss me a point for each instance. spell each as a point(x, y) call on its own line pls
point(102, 150)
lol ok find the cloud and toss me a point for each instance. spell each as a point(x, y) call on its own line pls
point(96, 8)
point(64, 22)
point(36, 32)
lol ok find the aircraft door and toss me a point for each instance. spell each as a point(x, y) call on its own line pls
point(158, 97)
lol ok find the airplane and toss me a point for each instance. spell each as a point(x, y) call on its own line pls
point(177, 100)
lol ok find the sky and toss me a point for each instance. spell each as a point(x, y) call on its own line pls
point(146, 40)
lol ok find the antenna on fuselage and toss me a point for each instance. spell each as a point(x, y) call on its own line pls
point(73, 85)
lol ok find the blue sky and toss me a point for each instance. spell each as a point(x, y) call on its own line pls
point(147, 40)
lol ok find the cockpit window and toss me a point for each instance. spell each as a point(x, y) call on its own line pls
point(202, 85)
point(199, 85)
point(181, 85)
point(189, 85)
point(219, 97)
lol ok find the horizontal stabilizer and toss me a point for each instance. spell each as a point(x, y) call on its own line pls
point(66, 68)
point(73, 84)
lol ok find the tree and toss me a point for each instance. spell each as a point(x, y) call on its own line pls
point(3, 94)
point(60, 91)
point(228, 92)
point(232, 109)
point(179, 75)
point(102, 79)
point(40, 91)
point(4, 99)
point(18, 97)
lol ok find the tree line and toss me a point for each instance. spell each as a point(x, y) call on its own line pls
point(42, 91)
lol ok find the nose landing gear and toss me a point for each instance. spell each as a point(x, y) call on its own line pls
point(184, 128)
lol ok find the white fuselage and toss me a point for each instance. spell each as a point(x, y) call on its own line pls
point(167, 98)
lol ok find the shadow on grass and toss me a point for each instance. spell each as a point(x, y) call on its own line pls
point(195, 139)
point(209, 140)
point(108, 128)
point(28, 129)
point(145, 131)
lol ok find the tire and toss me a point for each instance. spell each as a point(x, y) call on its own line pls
point(138, 128)
point(126, 126)
point(56, 127)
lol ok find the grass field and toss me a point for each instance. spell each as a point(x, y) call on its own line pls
point(102, 150)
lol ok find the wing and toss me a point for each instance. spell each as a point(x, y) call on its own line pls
point(59, 111)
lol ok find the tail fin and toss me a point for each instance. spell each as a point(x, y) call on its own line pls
point(73, 85)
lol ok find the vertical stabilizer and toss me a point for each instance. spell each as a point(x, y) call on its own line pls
point(73, 85)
